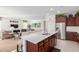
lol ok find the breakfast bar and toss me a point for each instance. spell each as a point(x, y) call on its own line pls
point(37, 42)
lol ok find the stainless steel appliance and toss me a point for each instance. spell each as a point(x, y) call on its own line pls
point(61, 30)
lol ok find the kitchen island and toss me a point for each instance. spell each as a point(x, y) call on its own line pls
point(37, 42)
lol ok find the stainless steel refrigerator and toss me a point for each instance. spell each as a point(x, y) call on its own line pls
point(61, 30)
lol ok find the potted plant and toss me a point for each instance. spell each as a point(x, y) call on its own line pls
point(60, 15)
point(60, 18)
point(77, 14)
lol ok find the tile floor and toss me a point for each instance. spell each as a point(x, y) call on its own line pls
point(67, 46)
point(64, 45)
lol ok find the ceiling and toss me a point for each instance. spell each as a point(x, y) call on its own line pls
point(35, 12)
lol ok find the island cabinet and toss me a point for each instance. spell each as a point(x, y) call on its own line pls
point(42, 46)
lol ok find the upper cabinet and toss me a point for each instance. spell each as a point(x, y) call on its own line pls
point(73, 21)
point(70, 21)
point(60, 19)
point(77, 20)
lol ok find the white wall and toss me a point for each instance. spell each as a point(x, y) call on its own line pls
point(0, 24)
point(0, 30)
point(25, 24)
point(72, 28)
point(5, 24)
point(20, 24)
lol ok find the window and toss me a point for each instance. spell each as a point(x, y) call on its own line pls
point(36, 25)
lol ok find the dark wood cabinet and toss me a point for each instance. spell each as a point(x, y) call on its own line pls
point(77, 20)
point(78, 37)
point(46, 45)
point(30, 47)
point(60, 19)
point(71, 21)
point(42, 46)
point(73, 36)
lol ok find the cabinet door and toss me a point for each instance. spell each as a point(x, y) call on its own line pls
point(71, 36)
point(68, 35)
point(70, 21)
point(77, 37)
point(31, 47)
point(77, 21)
point(41, 46)
point(46, 44)
point(52, 42)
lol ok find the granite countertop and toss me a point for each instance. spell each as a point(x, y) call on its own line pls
point(36, 37)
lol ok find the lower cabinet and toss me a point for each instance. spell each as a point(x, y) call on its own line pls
point(72, 36)
point(42, 46)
